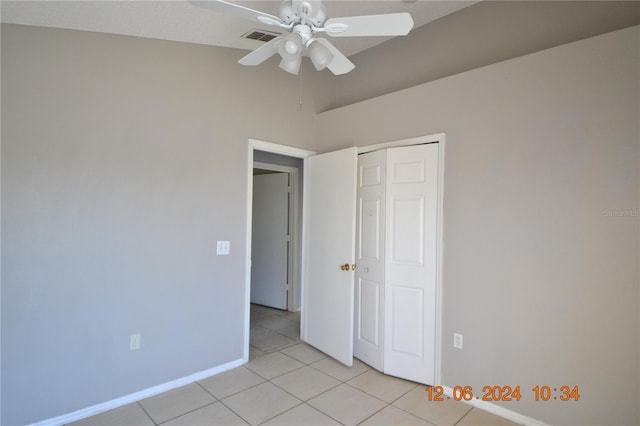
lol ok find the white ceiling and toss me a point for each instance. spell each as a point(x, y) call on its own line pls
point(181, 21)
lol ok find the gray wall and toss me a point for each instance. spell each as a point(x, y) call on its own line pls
point(123, 161)
point(479, 35)
point(539, 279)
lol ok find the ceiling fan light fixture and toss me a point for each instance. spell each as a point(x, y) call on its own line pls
point(305, 18)
point(320, 55)
point(291, 47)
point(291, 65)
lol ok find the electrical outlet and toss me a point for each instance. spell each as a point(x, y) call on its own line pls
point(134, 342)
point(457, 340)
point(223, 248)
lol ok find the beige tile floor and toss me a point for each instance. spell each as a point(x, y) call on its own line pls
point(287, 382)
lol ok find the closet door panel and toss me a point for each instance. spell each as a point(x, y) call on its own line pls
point(369, 297)
point(369, 309)
point(410, 267)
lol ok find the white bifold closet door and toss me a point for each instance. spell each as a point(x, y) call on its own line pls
point(395, 289)
point(410, 262)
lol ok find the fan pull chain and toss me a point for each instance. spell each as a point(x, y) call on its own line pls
point(300, 90)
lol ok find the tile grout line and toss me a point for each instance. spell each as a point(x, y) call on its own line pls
point(280, 375)
point(412, 414)
point(464, 415)
point(372, 414)
point(314, 396)
point(390, 403)
point(279, 414)
point(205, 389)
point(299, 360)
point(237, 414)
point(337, 378)
point(372, 396)
point(323, 413)
point(187, 412)
point(422, 418)
point(145, 412)
point(245, 389)
point(278, 348)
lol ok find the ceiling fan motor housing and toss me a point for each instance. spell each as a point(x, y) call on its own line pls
point(287, 13)
point(308, 12)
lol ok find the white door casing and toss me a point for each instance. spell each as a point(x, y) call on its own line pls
point(270, 237)
point(411, 262)
point(369, 275)
point(329, 241)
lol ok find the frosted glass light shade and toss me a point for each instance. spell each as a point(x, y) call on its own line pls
point(290, 47)
point(291, 65)
point(320, 55)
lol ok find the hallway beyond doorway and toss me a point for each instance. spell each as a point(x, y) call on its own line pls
point(272, 330)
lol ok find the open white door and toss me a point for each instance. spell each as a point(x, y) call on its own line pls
point(330, 214)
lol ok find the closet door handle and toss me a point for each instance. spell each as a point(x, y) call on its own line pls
point(347, 267)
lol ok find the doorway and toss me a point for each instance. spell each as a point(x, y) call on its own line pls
point(273, 243)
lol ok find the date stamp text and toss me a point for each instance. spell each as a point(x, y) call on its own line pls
point(505, 393)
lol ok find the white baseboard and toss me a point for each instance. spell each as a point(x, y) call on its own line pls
point(137, 396)
point(499, 410)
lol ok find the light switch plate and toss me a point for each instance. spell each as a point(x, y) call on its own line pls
point(223, 249)
point(457, 340)
point(134, 342)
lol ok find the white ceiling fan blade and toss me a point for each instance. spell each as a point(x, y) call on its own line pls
point(340, 64)
point(262, 53)
point(390, 24)
point(237, 10)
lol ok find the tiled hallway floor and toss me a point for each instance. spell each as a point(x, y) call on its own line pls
point(287, 382)
point(272, 329)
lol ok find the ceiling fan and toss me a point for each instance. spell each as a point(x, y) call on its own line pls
point(304, 20)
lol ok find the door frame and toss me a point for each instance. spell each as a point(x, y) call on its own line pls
point(293, 212)
point(259, 145)
point(255, 144)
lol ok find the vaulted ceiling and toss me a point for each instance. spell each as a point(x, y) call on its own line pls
point(182, 21)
